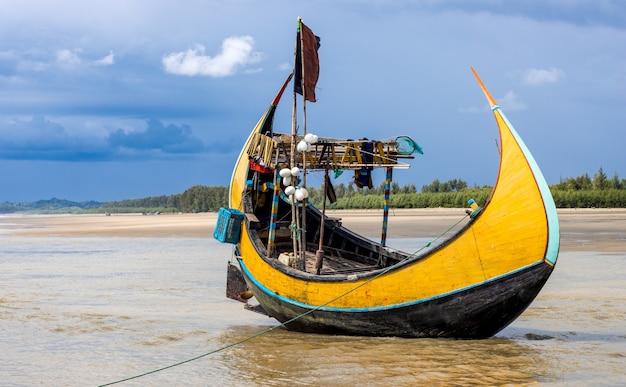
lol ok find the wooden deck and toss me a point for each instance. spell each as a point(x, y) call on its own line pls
point(335, 265)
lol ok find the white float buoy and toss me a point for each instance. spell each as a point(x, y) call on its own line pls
point(285, 172)
point(302, 146)
point(310, 138)
point(299, 194)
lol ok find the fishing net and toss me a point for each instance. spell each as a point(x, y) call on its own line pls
point(406, 146)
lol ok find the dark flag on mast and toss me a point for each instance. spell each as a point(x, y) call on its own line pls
point(307, 61)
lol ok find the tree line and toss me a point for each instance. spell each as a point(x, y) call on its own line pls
point(198, 198)
point(579, 192)
point(586, 192)
point(583, 191)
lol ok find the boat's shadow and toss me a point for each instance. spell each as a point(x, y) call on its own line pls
point(524, 334)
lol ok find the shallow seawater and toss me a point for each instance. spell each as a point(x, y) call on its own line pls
point(96, 310)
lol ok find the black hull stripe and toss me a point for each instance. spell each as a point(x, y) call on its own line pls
point(267, 291)
point(478, 312)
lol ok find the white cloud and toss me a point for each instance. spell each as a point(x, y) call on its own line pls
point(285, 66)
point(71, 58)
point(253, 71)
point(68, 58)
point(510, 102)
point(105, 61)
point(537, 77)
point(236, 52)
point(473, 109)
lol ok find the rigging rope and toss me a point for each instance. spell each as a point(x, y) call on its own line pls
point(270, 329)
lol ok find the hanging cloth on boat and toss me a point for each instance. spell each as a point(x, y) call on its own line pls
point(363, 177)
point(256, 165)
point(330, 190)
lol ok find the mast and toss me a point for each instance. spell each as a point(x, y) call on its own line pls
point(319, 254)
point(295, 232)
point(302, 262)
point(306, 68)
point(383, 238)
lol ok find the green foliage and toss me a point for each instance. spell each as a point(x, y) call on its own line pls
point(589, 198)
point(578, 192)
point(573, 192)
point(198, 198)
point(454, 185)
point(584, 182)
point(584, 192)
point(405, 197)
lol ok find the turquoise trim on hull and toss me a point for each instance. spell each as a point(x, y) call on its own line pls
point(554, 236)
point(375, 309)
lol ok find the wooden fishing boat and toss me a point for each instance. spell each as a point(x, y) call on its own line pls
point(312, 274)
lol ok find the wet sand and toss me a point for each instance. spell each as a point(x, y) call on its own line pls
point(581, 229)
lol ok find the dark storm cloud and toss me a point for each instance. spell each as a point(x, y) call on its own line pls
point(42, 139)
point(167, 139)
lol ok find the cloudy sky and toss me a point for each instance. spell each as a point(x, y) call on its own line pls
point(111, 100)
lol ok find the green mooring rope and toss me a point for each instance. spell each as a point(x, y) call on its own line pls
point(261, 333)
point(296, 231)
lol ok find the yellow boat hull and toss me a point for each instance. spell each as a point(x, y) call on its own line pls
point(471, 286)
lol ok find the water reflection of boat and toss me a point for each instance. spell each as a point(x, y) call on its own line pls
point(287, 358)
point(314, 275)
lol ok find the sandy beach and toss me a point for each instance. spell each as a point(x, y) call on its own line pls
point(581, 229)
point(93, 299)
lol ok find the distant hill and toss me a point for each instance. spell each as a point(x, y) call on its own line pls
point(195, 199)
point(51, 205)
point(62, 203)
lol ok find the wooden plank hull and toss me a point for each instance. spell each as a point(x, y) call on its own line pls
point(475, 313)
